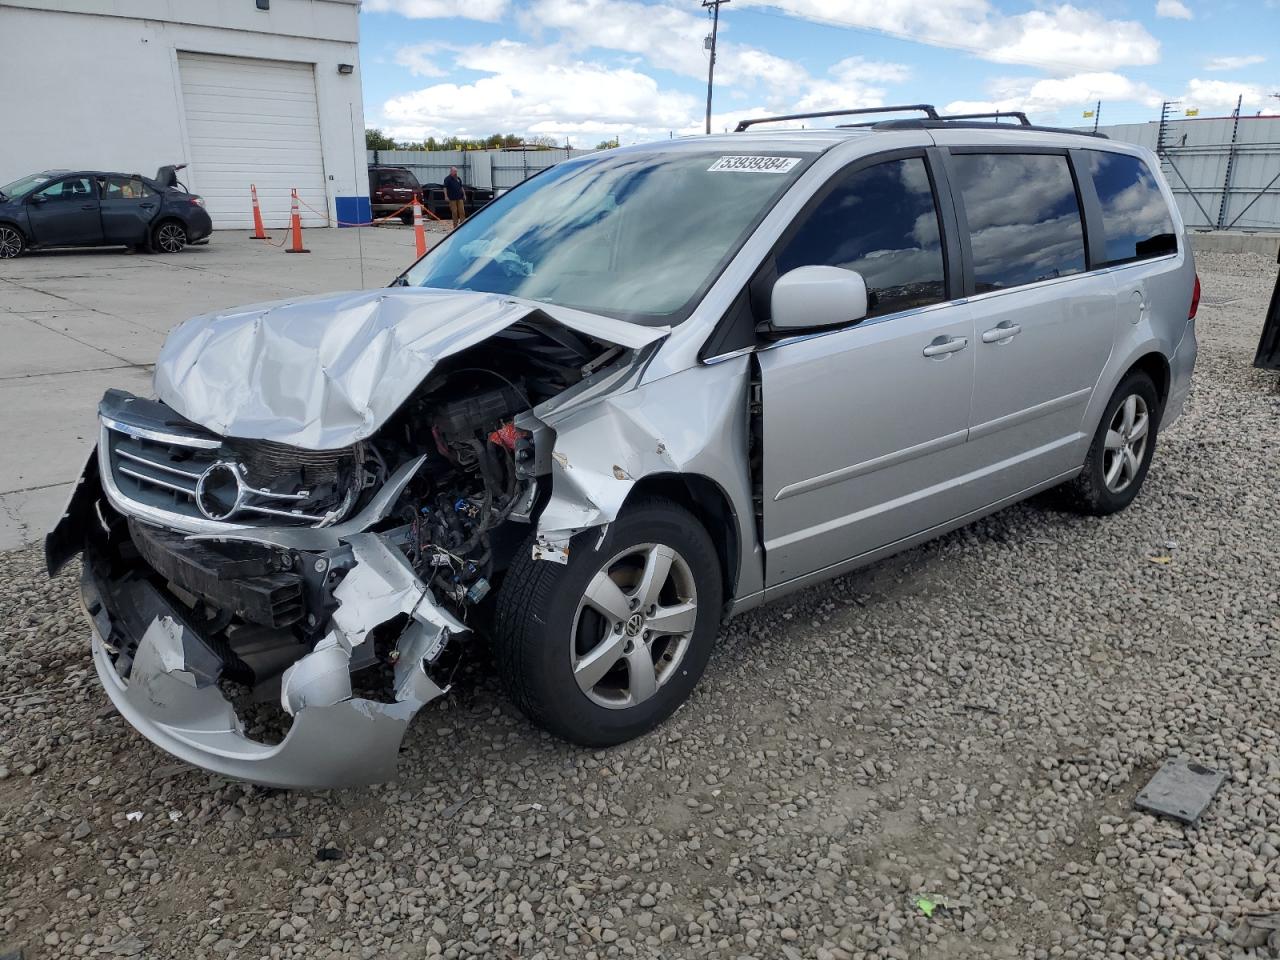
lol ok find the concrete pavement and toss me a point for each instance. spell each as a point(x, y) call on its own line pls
point(73, 323)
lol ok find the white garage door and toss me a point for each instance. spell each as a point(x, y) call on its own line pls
point(253, 122)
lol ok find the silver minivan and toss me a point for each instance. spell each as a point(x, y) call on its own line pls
point(645, 390)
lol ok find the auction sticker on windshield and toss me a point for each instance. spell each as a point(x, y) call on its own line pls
point(753, 165)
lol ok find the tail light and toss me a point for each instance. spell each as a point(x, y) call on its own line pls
point(199, 202)
point(1195, 299)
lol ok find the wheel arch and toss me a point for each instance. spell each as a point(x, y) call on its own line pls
point(1155, 365)
point(11, 222)
point(710, 504)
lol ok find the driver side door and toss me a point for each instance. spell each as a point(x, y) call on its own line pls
point(864, 425)
point(66, 213)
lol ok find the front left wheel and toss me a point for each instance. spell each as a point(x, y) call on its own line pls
point(604, 648)
point(12, 242)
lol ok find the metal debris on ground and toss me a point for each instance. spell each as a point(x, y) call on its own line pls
point(1181, 789)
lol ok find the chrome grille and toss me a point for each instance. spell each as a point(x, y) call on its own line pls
point(158, 474)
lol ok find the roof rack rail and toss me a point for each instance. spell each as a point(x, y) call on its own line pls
point(1017, 114)
point(927, 109)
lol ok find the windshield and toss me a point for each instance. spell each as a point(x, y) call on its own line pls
point(21, 187)
point(636, 236)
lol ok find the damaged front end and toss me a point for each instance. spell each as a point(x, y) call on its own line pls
point(323, 494)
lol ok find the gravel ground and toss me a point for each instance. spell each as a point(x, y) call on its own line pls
point(970, 720)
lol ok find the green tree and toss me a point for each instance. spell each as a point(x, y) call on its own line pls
point(375, 139)
point(607, 144)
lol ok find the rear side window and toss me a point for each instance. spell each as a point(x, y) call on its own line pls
point(880, 221)
point(1135, 219)
point(1024, 217)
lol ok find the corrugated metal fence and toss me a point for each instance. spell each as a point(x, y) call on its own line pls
point(496, 169)
point(1224, 171)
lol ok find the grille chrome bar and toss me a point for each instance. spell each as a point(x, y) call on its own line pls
point(136, 458)
point(157, 481)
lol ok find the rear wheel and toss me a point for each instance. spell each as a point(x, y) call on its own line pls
point(604, 648)
point(407, 218)
point(169, 237)
point(12, 242)
point(1121, 452)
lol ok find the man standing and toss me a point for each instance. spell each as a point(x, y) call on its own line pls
point(453, 193)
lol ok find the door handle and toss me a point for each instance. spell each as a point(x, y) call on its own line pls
point(1002, 333)
point(147, 206)
point(945, 345)
point(89, 206)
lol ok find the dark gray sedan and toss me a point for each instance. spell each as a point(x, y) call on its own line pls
point(64, 208)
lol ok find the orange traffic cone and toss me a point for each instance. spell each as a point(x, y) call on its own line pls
point(258, 232)
point(419, 236)
point(297, 227)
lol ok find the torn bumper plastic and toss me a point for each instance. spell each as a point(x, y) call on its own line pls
point(161, 674)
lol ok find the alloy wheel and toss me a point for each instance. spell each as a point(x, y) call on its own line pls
point(171, 238)
point(633, 625)
point(1125, 443)
point(11, 243)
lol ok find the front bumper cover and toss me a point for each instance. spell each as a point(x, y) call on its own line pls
point(162, 674)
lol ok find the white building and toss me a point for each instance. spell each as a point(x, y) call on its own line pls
point(263, 92)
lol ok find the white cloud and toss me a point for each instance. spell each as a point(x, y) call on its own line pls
point(1061, 37)
point(489, 10)
point(1222, 94)
point(1234, 63)
point(540, 90)
point(423, 59)
point(1050, 96)
point(1173, 10)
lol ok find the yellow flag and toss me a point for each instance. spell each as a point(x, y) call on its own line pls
point(1193, 112)
point(1088, 113)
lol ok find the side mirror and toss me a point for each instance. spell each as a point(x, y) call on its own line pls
point(39, 199)
point(809, 297)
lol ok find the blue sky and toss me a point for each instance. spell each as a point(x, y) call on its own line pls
point(589, 70)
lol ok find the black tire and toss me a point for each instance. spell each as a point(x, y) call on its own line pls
point(1090, 492)
point(407, 218)
point(537, 611)
point(12, 242)
point(168, 236)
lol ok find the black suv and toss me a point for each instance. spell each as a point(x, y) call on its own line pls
point(391, 188)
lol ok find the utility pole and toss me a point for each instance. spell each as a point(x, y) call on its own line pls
point(714, 6)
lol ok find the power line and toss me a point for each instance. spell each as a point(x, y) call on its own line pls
point(714, 6)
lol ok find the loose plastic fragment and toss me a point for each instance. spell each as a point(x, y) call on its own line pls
point(926, 906)
point(133, 816)
point(1181, 789)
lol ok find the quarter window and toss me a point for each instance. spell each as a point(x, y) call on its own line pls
point(1135, 218)
point(1024, 218)
point(882, 222)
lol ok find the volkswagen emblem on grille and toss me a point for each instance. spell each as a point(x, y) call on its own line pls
point(220, 491)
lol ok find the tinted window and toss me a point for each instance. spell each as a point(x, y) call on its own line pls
point(1024, 218)
point(880, 221)
point(125, 188)
point(73, 188)
point(1135, 219)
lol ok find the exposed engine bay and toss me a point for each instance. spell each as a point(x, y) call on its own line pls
point(337, 580)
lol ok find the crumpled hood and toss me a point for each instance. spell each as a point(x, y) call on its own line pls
point(323, 372)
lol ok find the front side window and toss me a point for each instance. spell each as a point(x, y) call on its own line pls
point(1135, 218)
point(1024, 217)
point(882, 222)
point(635, 235)
point(73, 188)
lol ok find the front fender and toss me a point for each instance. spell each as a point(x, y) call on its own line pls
point(691, 422)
